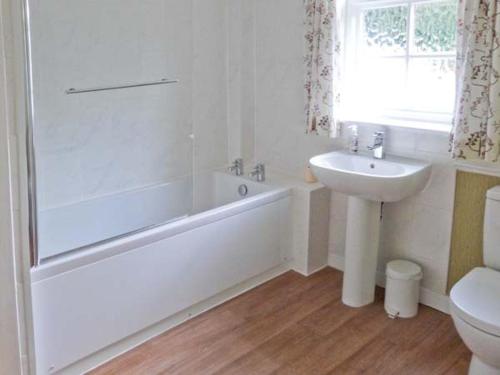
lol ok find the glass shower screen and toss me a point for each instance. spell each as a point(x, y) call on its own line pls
point(111, 104)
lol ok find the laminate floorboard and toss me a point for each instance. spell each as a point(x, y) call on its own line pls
point(296, 325)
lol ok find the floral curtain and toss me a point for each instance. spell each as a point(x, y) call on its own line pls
point(322, 57)
point(476, 128)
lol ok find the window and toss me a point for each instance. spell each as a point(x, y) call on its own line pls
point(401, 60)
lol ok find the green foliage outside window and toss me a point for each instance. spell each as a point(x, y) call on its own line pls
point(434, 27)
point(386, 27)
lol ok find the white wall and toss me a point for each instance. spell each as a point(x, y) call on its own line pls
point(209, 102)
point(417, 228)
point(10, 336)
point(266, 80)
point(279, 128)
point(94, 144)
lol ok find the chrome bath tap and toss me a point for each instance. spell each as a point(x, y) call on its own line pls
point(378, 145)
point(259, 172)
point(237, 167)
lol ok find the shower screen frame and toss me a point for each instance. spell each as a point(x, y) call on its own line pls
point(31, 160)
point(29, 141)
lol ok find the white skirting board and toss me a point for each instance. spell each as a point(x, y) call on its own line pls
point(427, 297)
point(312, 272)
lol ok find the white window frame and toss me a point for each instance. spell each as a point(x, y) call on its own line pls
point(438, 121)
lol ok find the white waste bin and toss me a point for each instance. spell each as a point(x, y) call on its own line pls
point(402, 288)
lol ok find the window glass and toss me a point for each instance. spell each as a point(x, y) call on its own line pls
point(385, 30)
point(384, 82)
point(401, 57)
point(431, 84)
point(435, 29)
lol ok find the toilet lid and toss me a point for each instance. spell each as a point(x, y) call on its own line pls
point(476, 299)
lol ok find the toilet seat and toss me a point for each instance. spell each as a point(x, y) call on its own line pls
point(476, 300)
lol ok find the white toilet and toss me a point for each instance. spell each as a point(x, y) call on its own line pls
point(475, 299)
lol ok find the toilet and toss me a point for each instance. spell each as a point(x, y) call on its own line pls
point(475, 299)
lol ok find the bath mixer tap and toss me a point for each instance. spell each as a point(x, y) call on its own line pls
point(259, 172)
point(378, 145)
point(237, 167)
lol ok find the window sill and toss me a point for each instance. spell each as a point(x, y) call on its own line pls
point(431, 126)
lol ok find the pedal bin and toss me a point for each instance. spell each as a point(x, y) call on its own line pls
point(402, 288)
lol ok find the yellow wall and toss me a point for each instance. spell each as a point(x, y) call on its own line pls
point(468, 218)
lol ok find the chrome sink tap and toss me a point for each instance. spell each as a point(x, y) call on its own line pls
point(378, 145)
point(259, 172)
point(237, 167)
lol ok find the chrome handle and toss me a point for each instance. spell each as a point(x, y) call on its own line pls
point(259, 171)
point(163, 81)
point(237, 166)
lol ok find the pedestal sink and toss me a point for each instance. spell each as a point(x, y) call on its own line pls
point(368, 182)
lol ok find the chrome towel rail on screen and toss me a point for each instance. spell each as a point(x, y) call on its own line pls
point(163, 81)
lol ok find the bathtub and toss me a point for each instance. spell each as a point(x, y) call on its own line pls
point(88, 300)
point(75, 226)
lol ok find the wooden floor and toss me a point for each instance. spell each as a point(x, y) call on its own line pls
point(296, 325)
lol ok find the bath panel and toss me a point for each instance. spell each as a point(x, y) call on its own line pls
point(85, 308)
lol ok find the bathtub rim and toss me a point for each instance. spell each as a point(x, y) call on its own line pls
point(130, 241)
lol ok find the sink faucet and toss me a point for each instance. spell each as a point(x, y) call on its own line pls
point(259, 172)
point(378, 145)
point(237, 167)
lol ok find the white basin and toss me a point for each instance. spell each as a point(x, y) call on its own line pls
point(360, 175)
point(368, 182)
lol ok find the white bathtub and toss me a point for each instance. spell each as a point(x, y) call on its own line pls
point(91, 299)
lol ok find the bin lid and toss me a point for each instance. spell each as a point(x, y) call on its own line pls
point(403, 270)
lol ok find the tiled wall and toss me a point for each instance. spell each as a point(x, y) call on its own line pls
point(417, 228)
point(241, 79)
point(93, 144)
point(265, 44)
point(279, 128)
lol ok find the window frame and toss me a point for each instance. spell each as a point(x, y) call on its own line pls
point(440, 121)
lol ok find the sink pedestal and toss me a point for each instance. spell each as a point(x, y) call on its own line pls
point(361, 252)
